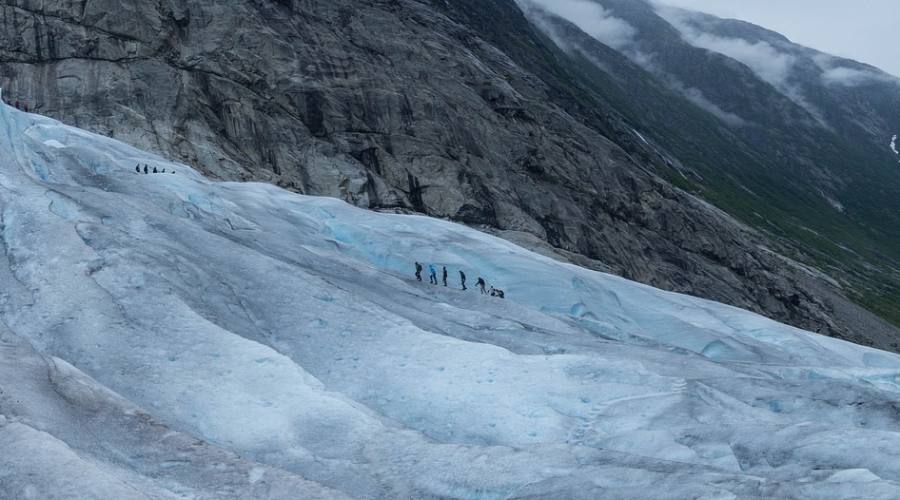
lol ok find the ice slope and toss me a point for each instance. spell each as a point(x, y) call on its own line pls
point(165, 336)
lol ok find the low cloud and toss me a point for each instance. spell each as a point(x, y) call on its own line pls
point(597, 22)
point(835, 74)
point(590, 17)
point(702, 102)
point(769, 63)
point(846, 76)
point(765, 60)
point(865, 30)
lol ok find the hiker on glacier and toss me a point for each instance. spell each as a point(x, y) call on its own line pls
point(481, 284)
point(432, 274)
point(418, 271)
point(445, 275)
point(462, 279)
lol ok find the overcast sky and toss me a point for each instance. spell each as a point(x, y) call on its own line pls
point(865, 30)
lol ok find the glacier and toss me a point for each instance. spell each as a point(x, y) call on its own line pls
point(168, 336)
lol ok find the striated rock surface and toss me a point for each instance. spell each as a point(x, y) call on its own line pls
point(402, 104)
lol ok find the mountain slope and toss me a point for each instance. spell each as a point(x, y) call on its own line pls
point(855, 107)
point(424, 106)
point(793, 141)
point(167, 336)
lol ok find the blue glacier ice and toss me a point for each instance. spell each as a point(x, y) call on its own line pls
point(167, 336)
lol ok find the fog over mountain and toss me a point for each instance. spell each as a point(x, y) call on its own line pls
point(831, 120)
point(865, 31)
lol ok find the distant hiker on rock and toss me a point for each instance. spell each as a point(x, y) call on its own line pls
point(432, 274)
point(146, 170)
point(496, 292)
point(445, 275)
point(462, 279)
point(481, 284)
point(418, 271)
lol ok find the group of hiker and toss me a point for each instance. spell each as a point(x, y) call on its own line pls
point(146, 170)
point(433, 279)
point(19, 105)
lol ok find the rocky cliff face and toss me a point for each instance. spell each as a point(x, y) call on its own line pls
point(402, 104)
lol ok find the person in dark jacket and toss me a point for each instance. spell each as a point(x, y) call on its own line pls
point(146, 170)
point(445, 275)
point(481, 284)
point(155, 171)
point(462, 279)
point(418, 271)
point(137, 168)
